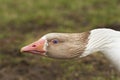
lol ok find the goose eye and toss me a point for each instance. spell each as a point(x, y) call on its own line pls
point(55, 41)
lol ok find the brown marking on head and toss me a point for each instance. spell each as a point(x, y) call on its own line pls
point(70, 45)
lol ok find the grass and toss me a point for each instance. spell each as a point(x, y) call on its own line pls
point(65, 13)
point(23, 21)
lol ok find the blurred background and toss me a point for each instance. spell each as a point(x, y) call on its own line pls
point(24, 21)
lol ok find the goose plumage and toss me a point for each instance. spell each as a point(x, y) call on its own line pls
point(77, 45)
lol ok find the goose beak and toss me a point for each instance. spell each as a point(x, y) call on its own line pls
point(37, 47)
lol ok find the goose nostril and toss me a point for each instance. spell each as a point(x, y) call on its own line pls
point(33, 45)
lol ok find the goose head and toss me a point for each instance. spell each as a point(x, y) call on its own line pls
point(59, 45)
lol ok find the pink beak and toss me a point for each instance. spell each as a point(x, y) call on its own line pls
point(35, 47)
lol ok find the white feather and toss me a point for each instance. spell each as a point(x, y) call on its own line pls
point(108, 42)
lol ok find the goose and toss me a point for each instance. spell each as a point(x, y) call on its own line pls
point(78, 45)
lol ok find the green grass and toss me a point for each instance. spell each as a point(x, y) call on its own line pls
point(23, 21)
point(64, 12)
